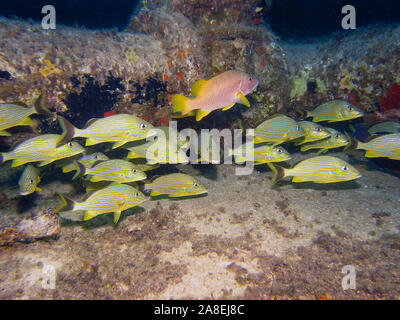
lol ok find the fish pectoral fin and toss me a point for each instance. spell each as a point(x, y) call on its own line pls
point(196, 88)
point(95, 179)
point(228, 107)
point(17, 163)
point(117, 215)
point(200, 114)
point(45, 163)
point(155, 193)
point(26, 122)
point(299, 179)
point(5, 133)
point(321, 151)
point(39, 189)
point(118, 144)
point(243, 100)
point(91, 141)
point(371, 154)
point(89, 215)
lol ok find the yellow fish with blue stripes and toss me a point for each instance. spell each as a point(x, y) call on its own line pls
point(116, 170)
point(334, 111)
point(114, 198)
point(159, 151)
point(385, 127)
point(320, 169)
point(17, 114)
point(175, 185)
point(314, 132)
point(119, 129)
point(41, 148)
point(336, 140)
point(387, 146)
point(277, 130)
point(259, 154)
point(87, 160)
point(29, 180)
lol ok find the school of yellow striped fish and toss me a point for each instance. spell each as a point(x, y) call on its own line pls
point(113, 184)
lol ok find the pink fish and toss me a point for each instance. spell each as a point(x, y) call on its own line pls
point(220, 92)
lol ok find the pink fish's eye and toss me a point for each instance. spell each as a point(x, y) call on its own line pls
point(250, 79)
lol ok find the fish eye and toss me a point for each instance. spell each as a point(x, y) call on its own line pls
point(96, 157)
point(279, 150)
point(196, 184)
point(344, 168)
point(350, 108)
point(142, 126)
point(134, 170)
point(250, 79)
point(336, 136)
point(30, 181)
point(137, 194)
point(319, 129)
point(298, 128)
point(69, 144)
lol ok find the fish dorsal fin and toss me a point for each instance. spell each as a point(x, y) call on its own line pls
point(90, 122)
point(196, 88)
point(154, 178)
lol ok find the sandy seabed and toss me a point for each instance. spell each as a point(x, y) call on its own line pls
point(243, 240)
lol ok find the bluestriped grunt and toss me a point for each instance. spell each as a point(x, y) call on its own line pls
point(335, 110)
point(175, 185)
point(320, 169)
point(114, 198)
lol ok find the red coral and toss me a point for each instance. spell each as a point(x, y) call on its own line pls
point(392, 100)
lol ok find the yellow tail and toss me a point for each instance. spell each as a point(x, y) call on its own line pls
point(181, 104)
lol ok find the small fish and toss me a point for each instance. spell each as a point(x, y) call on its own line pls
point(277, 130)
point(387, 146)
point(220, 92)
point(262, 153)
point(159, 151)
point(314, 132)
point(119, 128)
point(41, 148)
point(17, 114)
point(175, 185)
point(335, 110)
point(114, 198)
point(385, 127)
point(116, 170)
point(88, 160)
point(320, 169)
point(336, 140)
point(29, 180)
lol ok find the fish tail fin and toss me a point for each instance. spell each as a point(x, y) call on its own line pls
point(79, 168)
point(181, 104)
point(40, 105)
point(69, 131)
point(279, 172)
point(67, 204)
point(3, 157)
point(303, 113)
point(353, 144)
